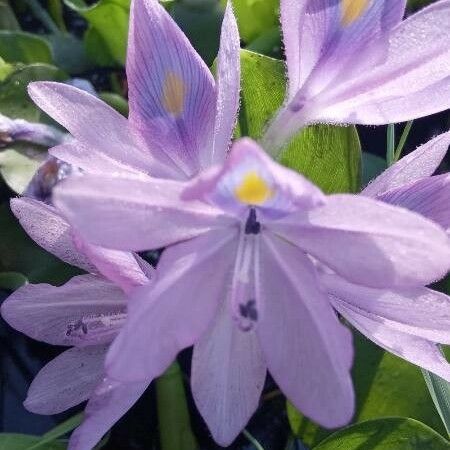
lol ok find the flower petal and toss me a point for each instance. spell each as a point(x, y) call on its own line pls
point(87, 310)
point(171, 90)
point(165, 318)
point(414, 349)
point(227, 377)
point(308, 352)
point(94, 124)
point(110, 401)
point(46, 226)
point(371, 243)
point(228, 85)
point(429, 197)
point(66, 381)
point(417, 311)
point(418, 164)
point(131, 214)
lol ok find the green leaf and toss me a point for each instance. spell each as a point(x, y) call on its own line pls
point(9, 441)
point(255, 17)
point(18, 166)
point(173, 414)
point(69, 53)
point(10, 281)
point(27, 48)
point(394, 433)
point(328, 156)
point(116, 101)
point(106, 40)
point(201, 21)
point(8, 19)
point(372, 166)
point(14, 100)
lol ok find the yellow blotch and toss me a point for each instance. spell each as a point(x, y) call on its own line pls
point(173, 95)
point(253, 190)
point(352, 10)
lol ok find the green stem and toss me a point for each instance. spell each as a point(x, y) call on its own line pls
point(390, 147)
point(175, 431)
point(252, 440)
point(56, 11)
point(43, 16)
point(402, 142)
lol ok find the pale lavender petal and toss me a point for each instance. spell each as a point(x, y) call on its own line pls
point(166, 318)
point(227, 377)
point(371, 243)
point(228, 85)
point(122, 268)
point(414, 349)
point(429, 197)
point(251, 178)
point(131, 214)
point(94, 124)
point(109, 402)
point(307, 351)
point(87, 310)
point(418, 164)
point(46, 226)
point(66, 381)
point(417, 311)
point(171, 90)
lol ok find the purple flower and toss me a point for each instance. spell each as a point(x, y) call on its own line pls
point(181, 120)
point(239, 283)
point(356, 61)
point(86, 314)
point(408, 322)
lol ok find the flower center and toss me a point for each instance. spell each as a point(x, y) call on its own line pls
point(253, 190)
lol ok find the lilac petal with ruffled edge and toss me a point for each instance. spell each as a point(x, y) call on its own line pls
point(416, 350)
point(417, 311)
point(45, 225)
point(66, 381)
point(429, 197)
point(95, 125)
point(165, 319)
point(418, 164)
point(308, 352)
point(228, 86)
point(369, 242)
point(171, 90)
point(130, 214)
point(227, 377)
point(87, 310)
point(110, 401)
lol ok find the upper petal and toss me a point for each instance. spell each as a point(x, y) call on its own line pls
point(171, 90)
point(167, 317)
point(87, 310)
point(107, 404)
point(308, 352)
point(131, 214)
point(429, 197)
point(46, 226)
point(418, 164)
point(228, 85)
point(66, 381)
point(371, 243)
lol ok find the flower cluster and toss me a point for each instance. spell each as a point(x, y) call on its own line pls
point(259, 264)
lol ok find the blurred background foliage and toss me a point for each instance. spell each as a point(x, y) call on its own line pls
point(84, 42)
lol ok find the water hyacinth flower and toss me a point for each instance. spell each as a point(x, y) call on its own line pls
point(12, 130)
point(356, 61)
point(86, 314)
point(181, 120)
point(240, 238)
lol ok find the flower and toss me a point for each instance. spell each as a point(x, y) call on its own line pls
point(408, 322)
point(356, 61)
point(86, 314)
point(237, 280)
point(181, 120)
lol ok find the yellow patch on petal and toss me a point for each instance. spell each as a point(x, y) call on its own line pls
point(173, 95)
point(253, 190)
point(352, 10)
